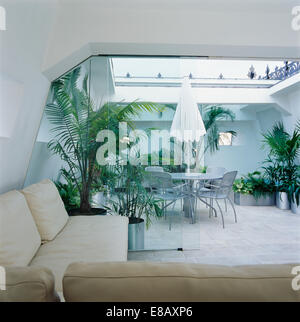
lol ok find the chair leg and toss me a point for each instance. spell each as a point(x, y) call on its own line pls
point(225, 205)
point(174, 205)
point(232, 205)
point(192, 211)
point(221, 213)
point(212, 204)
point(210, 207)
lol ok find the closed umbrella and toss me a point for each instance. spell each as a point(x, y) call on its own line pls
point(187, 126)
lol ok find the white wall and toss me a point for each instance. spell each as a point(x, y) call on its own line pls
point(245, 153)
point(294, 101)
point(42, 165)
point(22, 48)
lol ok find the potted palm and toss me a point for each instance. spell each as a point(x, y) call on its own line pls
point(131, 198)
point(76, 121)
point(284, 151)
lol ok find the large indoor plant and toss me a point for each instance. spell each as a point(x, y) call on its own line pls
point(254, 189)
point(76, 121)
point(284, 151)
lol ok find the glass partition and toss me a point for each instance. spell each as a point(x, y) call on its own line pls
point(109, 140)
point(97, 138)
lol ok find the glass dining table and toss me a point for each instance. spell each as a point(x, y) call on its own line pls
point(190, 179)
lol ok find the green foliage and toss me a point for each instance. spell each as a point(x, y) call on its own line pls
point(130, 197)
point(281, 167)
point(211, 115)
point(254, 184)
point(76, 122)
point(293, 192)
point(68, 193)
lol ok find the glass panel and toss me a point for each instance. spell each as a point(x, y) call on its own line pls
point(138, 141)
point(149, 90)
point(98, 120)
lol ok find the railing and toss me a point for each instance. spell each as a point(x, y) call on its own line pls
point(288, 70)
point(280, 73)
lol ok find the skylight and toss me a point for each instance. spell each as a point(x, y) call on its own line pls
point(193, 67)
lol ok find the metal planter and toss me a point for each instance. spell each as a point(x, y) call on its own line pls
point(282, 201)
point(99, 199)
point(295, 209)
point(136, 234)
point(249, 200)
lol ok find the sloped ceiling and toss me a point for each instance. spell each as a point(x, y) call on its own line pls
point(229, 28)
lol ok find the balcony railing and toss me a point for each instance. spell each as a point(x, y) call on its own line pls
point(288, 70)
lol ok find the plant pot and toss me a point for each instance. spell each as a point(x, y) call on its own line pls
point(99, 199)
point(248, 200)
point(136, 234)
point(94, 212)
point(282, 201)
point(295, 208)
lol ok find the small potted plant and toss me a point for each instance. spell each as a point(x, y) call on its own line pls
point(253, 190)
point(131, 198)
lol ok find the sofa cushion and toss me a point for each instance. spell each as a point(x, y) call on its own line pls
point(19, 237)
point(85, 238)
point(29, 284)
point(47, 208)
point(177, 282)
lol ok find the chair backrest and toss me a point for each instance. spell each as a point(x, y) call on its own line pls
point(216, 170)
point(226, 183)
point(154, 169)
point(160, 180)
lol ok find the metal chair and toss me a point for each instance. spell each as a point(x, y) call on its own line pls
point(220, 191)
point(163, 187)
point(218, 172)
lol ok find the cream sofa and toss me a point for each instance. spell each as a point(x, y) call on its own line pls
point(36, 231)
point(178, 282)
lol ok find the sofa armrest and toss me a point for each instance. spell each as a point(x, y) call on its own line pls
point(177, 282)
point(28, 284)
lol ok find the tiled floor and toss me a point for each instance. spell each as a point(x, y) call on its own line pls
point(262, 235)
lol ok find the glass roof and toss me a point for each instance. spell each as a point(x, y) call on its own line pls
point(197, 67)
